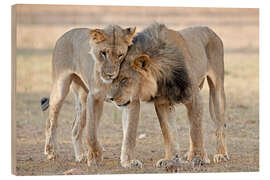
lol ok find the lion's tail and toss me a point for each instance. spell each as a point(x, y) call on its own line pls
point(44, 103)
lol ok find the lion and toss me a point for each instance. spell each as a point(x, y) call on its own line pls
point(87, 60)
point(167, 67)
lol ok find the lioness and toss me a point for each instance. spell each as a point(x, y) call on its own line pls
point(88, 60)
point(167, 67)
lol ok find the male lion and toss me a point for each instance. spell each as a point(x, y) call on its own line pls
point(168, 67)
point(88, 60)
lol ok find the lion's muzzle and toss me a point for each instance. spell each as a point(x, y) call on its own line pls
point(125, 104)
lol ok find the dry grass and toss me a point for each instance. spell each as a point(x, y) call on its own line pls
point(237, 27)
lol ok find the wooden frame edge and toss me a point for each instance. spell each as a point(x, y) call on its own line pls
point(13, 87)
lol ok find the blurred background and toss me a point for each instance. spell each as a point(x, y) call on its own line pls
point(39, 27)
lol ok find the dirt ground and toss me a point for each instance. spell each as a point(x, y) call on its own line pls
point(37, 30)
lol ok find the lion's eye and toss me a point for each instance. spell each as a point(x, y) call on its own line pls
point(124, 80)
point(103, 54)
point(120, 56)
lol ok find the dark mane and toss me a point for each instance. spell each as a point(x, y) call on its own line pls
point(173, 82)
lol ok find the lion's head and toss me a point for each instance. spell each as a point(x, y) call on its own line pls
point(135, 81)
point(154, 67)
point(108, 48)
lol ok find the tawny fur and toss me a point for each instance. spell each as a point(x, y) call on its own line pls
point(86, 60)
point(178, 62)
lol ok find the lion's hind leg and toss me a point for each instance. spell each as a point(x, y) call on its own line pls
point(217, 110)
point(59, 91)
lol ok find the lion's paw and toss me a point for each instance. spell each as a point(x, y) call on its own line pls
point(196, 160)
point(50, 152)
point(80, 158)
point(51, 156)
point(132, 164)
point(162, 163)
point(94, 158)
point(220, 158)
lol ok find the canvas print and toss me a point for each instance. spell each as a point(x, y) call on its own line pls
point(118, 89)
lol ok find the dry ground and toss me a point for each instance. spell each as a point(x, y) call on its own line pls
point(39, 28)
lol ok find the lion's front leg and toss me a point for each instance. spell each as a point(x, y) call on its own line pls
point(93, 115)
point(196, 152)
point(167, 120)
point(78, 126)
point(130, 119)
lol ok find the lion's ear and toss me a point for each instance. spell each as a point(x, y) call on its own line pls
point(141, 64)
point(129, 34)
point(97, 35)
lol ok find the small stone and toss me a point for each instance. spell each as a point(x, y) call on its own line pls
point(142, 136)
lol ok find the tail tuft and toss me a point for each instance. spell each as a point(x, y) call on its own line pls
point(44, 103)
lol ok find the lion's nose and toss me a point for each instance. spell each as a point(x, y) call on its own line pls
point(110, 75)
point(110, 98)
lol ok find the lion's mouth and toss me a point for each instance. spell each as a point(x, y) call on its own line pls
point(125, 104)
point(106, 81)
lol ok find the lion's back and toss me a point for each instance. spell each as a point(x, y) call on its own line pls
point(71, 47)
point(202, 43)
